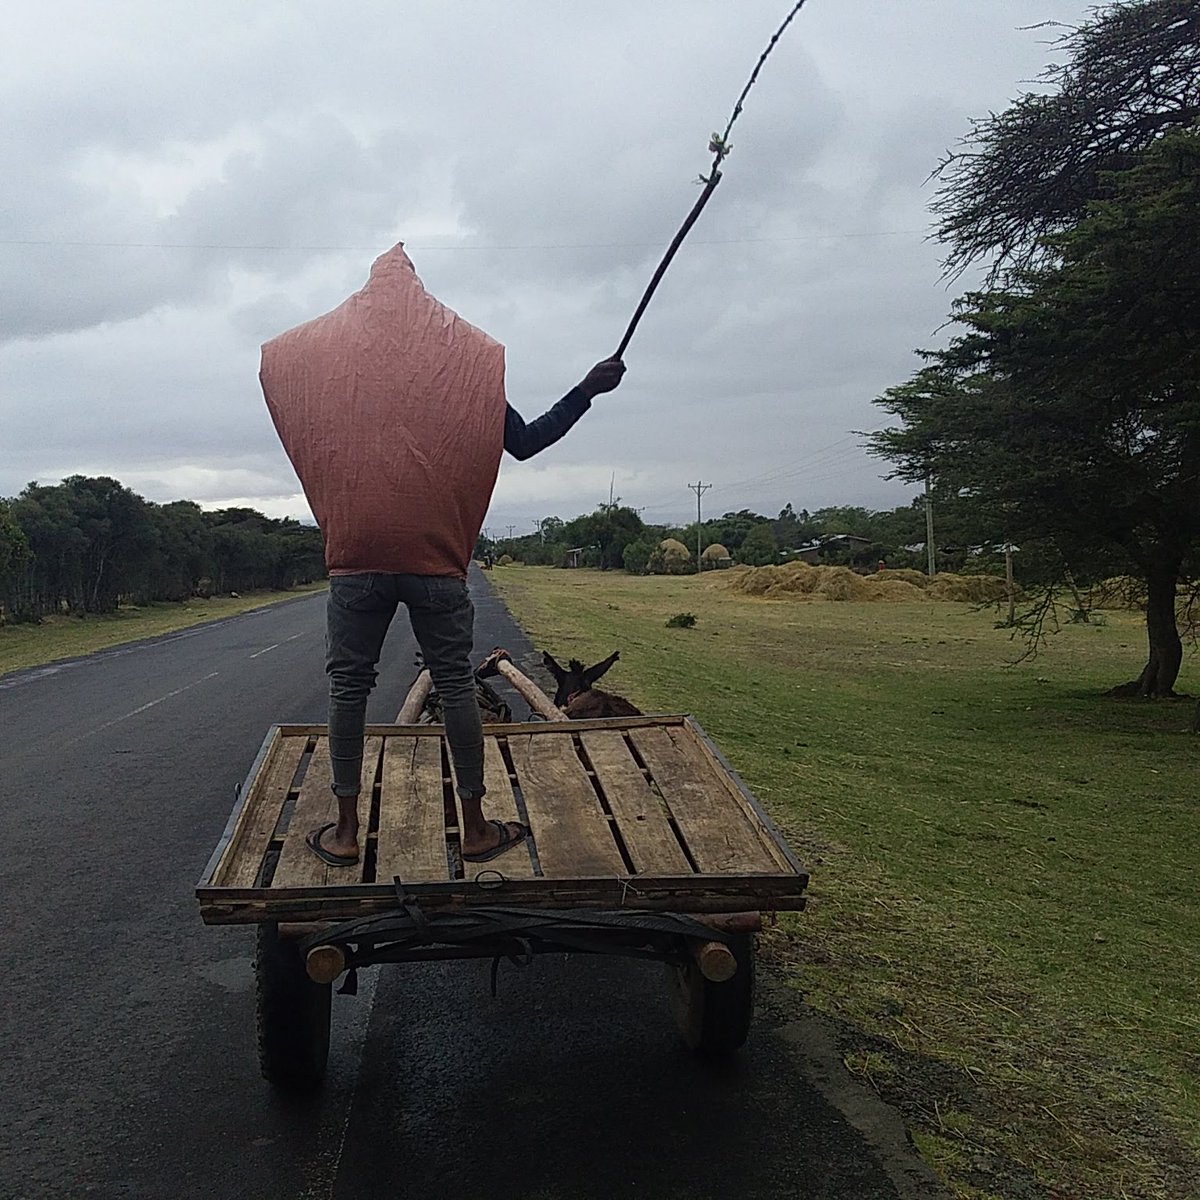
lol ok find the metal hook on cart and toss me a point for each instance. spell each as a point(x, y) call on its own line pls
point(411, 908)
point(524, 959)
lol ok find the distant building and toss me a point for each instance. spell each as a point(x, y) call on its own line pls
point(821, 549)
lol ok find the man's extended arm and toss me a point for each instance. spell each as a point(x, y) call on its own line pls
point(523, 440)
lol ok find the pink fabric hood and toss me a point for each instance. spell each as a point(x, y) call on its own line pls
point(391, 409)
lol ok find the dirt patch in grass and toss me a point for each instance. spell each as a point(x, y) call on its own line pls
point(1003, 862)
point(62, 637)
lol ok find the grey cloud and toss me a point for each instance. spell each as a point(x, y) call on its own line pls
point(568, 133)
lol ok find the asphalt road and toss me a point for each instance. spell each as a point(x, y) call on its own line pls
point(127, 1026)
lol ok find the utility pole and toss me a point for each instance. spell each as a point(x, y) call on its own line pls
point(1009, 583)
point(699, 487)
point(612, 483)
point(932, 553)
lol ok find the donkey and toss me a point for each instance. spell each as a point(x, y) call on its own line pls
point(576, 696)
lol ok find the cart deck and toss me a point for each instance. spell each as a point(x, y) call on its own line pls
point(639, 813)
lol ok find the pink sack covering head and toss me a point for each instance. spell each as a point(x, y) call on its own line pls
point(391, 408)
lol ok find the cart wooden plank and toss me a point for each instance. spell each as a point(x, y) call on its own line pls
point(500, 805)
point(570, 829)
point(411, 842)
point(641, 815)
point(315, 806)
point(268, 794)
point(690, 740)
point(719, 836)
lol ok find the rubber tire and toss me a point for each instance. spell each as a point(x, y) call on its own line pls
point(714, 1018)
point(292, 1015)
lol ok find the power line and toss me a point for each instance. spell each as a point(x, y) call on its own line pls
point(795, 461)
point(818, 466)
point(105, 245)
point(797, 466)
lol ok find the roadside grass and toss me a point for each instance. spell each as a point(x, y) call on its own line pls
point(1005, 917)
point(62, 637)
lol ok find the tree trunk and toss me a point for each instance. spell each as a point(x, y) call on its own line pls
point(1166, 649)
point(1080, 616)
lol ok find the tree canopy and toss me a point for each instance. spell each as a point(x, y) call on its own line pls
point(89, 543)
point(1070, 407)
point(1126, 77)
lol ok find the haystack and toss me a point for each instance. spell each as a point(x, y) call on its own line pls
point(789, 579)
point(968, 589)
point(885, 586)
point(841, 583)
point(800, 581)
point(671, 558)
point(917, 578)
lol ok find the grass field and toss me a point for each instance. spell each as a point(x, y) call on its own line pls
point(57, 638)
point(1005, 918)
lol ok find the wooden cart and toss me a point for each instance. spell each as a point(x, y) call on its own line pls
point(645, 843)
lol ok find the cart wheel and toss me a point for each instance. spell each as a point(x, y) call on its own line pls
point(714, 1018)
point(293, 1015)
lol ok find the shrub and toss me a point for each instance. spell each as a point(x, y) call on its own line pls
point(681, 621)
point(636, 557)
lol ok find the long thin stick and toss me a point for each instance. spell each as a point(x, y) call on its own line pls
point(720, 147)
point(709, 187)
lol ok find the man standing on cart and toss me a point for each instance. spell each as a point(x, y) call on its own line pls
point(392, 411)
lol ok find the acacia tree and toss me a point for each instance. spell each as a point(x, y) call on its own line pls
point(1070, 409)
point(1128, 77)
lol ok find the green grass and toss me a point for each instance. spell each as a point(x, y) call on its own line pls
point(1005, 915)
point(62, 637)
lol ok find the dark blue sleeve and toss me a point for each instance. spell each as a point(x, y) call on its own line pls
point(523, 440)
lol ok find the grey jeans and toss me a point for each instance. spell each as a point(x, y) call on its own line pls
point(361, 608)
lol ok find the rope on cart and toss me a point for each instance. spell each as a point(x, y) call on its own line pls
point(516, 930)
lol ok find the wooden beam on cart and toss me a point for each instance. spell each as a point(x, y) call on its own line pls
point(500, 662)
point(414, 702)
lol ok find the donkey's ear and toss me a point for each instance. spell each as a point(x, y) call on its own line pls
point(593, 673)
point(553, 667)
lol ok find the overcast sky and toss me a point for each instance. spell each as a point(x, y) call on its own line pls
point(183, 181)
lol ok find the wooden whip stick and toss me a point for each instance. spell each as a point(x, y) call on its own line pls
point(720, 147)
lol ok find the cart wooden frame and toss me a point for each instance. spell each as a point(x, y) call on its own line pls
point(645, 842)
